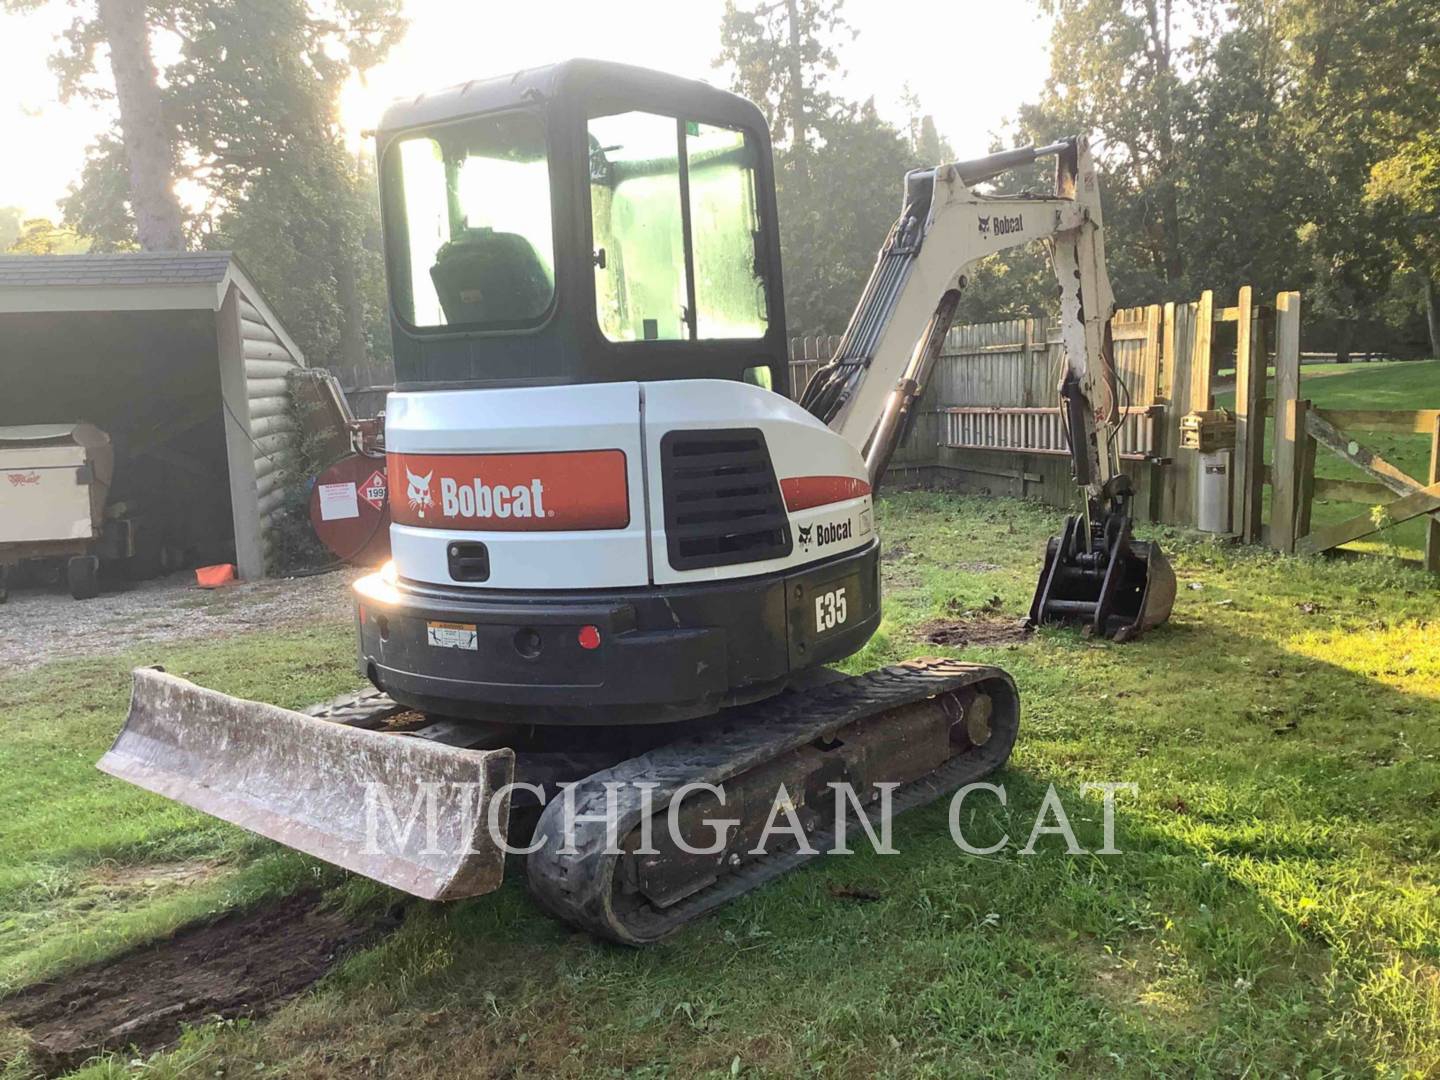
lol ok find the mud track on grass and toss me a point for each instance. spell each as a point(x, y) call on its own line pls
point(981, 629)
point(243, 964)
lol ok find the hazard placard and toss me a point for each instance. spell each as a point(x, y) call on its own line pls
point(373, 490)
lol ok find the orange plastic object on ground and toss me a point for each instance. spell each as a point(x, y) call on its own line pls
point(212, 577)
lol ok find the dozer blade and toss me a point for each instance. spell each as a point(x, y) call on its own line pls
point(416, 815)
point(1115, 586)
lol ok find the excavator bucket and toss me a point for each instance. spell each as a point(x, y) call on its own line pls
point(418, 815)
point(1112, 584)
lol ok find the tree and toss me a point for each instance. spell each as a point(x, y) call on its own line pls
point(1407, 184)
point(839, 167)
point(41, 236)
point(1246, 189)
point(783, 53)
point(252, 98)
point(149, 150)
point(1364, 78)
point(1117, 69)
point(832, 228)
point(123, 28)
point(11, 221)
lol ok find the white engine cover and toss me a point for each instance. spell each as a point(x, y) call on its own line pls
point(562, 484)
point(811, 462)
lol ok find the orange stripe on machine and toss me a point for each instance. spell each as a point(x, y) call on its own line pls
point(572, 489)
point(803, 492)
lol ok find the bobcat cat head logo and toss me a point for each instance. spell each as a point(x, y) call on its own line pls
point(806, 533)
point(417, 491)
point(984, 226)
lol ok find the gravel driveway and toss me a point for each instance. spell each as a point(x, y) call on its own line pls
point(40, 624)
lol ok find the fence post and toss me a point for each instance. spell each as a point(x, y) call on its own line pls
point(1202, 361)
point(1307, 477)
point(1027, 358)
point(1169, 428)
point(1289, 424)
point(1432, 527)
point(1250, 376)
point(1147, 371)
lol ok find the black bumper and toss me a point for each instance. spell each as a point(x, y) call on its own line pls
point(664, 653)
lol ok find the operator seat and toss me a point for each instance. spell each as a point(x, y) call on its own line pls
point(484, 276)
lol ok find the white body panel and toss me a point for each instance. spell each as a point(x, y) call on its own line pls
point(799, 445)
point(601, 416)
point(40, 496)
point(631, 417)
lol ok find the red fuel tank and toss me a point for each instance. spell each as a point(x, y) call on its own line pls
point(350, 510)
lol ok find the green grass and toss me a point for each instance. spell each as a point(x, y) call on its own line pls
point(1386, 385)
point(1274, 910)
point(89, 861)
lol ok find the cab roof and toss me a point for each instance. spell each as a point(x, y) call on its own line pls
point(532, 86)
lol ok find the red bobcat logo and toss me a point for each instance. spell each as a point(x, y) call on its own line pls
point(21, 479)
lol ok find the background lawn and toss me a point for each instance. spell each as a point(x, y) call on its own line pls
point(1386, 385)
point(1274, 910)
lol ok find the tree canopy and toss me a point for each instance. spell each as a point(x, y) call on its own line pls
point(244, 120)
point(1285, 144)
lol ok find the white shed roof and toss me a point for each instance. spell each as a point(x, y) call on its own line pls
point(130, 281)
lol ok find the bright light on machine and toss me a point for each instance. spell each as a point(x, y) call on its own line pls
point(380, 586)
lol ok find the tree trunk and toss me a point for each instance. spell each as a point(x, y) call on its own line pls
point(148, 149)
point(352, 317)
point(1344, 335)
point(799, 127)
point(1432, 316)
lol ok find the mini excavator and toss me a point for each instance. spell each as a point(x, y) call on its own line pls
point(623, 552)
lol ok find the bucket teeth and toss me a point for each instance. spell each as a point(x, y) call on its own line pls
point(420, 816)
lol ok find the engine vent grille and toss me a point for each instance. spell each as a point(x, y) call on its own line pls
point(722, 502)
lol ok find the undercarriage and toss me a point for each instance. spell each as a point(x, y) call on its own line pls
point(628, 836)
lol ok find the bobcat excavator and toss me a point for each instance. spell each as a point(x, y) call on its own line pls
point(622, 555)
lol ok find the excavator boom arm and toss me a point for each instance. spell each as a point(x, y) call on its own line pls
point(866, 393)
point(1095, 573)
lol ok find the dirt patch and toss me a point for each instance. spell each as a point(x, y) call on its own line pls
point(45, 624)
point(151, 877)
point(975, 630)
point(241, 965)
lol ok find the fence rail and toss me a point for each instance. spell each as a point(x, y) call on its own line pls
point(1042, 430)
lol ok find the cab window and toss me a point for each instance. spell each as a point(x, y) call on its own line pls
point(471, 224)
point(674, 225)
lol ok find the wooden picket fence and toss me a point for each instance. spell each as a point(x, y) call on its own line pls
point(990, 421)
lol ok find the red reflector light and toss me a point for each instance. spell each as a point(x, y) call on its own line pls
point(362, 616)
point(589, 637)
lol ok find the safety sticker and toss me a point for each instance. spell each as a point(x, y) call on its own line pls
point(337, 502)
point(451, 635)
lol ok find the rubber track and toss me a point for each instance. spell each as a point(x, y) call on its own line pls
point(368, 708)
point(579, 888)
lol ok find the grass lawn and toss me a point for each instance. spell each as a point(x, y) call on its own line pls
point(1386, 385)
point(1273, 910)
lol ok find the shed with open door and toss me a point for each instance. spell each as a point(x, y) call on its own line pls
point(183, 363)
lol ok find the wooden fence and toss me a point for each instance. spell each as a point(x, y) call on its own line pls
point(1390, 497)
point(989, 420)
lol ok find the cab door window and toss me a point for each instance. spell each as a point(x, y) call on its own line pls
point(674, 225)
point(641, 290)
point(724, 226)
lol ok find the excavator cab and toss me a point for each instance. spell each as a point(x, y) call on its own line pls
point(582, 223)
